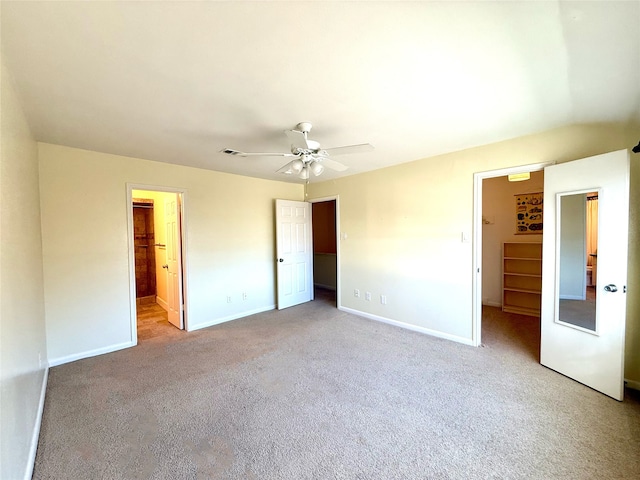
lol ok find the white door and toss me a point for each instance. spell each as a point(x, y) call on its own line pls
point(584, 339)
point(174, 260)
point(294, 251)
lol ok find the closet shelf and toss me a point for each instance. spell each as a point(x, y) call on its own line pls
point(523, 290)
point(522, 278)
point(530, 311)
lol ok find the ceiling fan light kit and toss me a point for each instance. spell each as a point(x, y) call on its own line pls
point(309, 156)
point(297, 166)
point(317, 168)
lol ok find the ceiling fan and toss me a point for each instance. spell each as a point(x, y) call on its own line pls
point(308, 156)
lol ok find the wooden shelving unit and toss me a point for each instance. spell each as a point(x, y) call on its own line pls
point(522, 278)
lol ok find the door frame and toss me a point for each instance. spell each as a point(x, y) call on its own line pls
point(476, 296)
point(335, 198)
point(130, 187)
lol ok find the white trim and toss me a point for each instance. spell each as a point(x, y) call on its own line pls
point(183, 258)
point(162, 303)
point(408, 326)
point(28, 474)
point(489, 303)
point(633, 384)
point(570, 297)
point(228, 318)
point(90, 353)
point(133, 306)
point(132, 266)
point(476, 263)
point(337, 200)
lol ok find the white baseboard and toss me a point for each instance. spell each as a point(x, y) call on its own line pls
point(571, 297)
point(35, 436)
point(90, 353)
point(162, 303)
point(490, 303)
point(408, 326)
point(633, 384)
point(228, 318)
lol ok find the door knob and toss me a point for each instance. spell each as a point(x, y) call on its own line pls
point(281, 259)
point(165, 266)
point(610, 288)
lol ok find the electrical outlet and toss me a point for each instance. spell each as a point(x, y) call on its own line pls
point(383, 299)
point(367, 296)
point(244, 295)
point(228, 298)
point(356, 293)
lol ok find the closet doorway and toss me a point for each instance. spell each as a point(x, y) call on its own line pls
point(144, 245)
point(156, 239)
point(326, 247)
point(512, 217)
point(496, 222)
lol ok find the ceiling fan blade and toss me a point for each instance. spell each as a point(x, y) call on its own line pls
point(333, 165)
point(230, 151)
point(297, 138)
point(363, 147)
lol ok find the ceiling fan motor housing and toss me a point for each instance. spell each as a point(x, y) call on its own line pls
point(304, 127)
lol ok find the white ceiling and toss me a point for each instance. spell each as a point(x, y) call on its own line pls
point(178, 81)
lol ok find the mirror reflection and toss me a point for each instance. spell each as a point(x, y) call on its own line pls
point(578, 259)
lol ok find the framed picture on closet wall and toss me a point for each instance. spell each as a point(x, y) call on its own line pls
point(529, 213)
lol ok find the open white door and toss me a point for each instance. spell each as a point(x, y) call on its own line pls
point(294, 253)
point(584, 339)
point(174, 260)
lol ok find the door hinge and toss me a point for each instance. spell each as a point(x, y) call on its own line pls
point(624, 289)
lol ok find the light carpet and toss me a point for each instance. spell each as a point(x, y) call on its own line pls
point(311, 392)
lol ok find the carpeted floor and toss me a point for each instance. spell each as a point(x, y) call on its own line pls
point(314, 393)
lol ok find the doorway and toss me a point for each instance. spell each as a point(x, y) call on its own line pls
point(590, 354)
point(326, 246)
point(156, 259)
point(511, 270)
point(145, 261)
point(494, 225)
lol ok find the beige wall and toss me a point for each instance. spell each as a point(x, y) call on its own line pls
point(229, 245)
point(22, 324)
point(498, 210)
point(404, 227)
